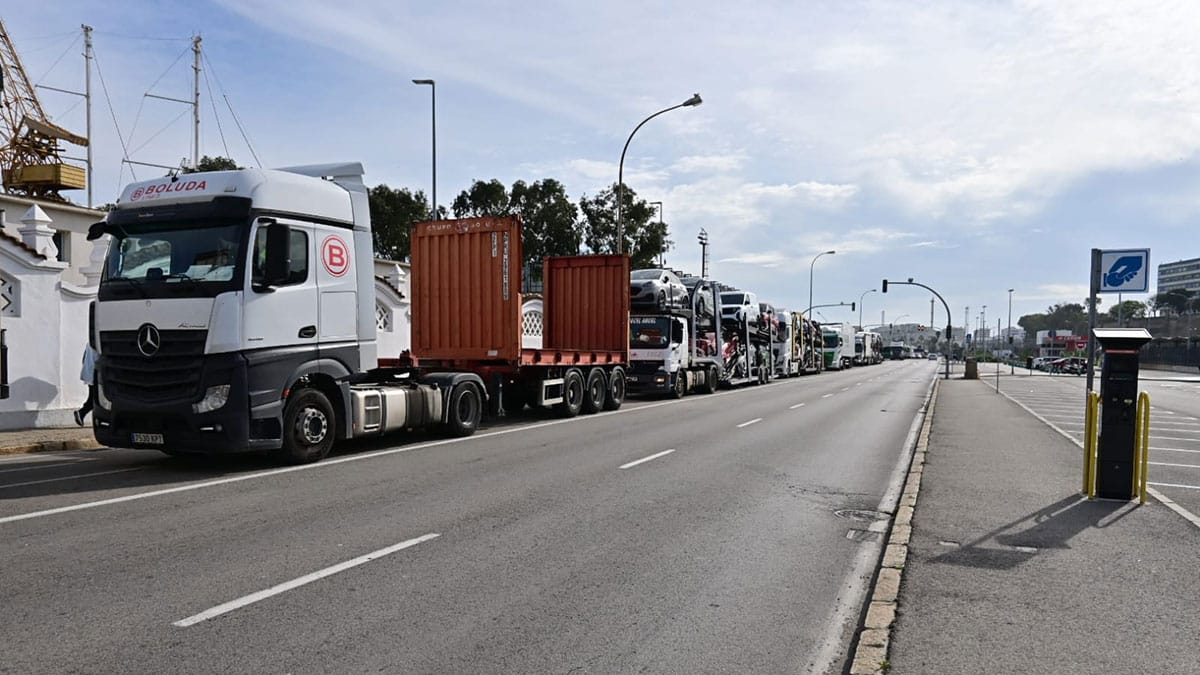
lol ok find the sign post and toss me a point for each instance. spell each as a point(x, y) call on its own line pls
point(1114, 271)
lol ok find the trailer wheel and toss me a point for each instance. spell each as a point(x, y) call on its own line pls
point(465, 411)
point(615, 395)
point(710, 380)
point(308, 428)
point(594, 392)
point(572, 393)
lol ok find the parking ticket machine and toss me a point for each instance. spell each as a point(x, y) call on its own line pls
point(1118, 416)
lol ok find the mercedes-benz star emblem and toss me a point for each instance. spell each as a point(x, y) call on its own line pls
point(148, 339)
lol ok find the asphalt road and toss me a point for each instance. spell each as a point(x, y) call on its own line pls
point(723, 533)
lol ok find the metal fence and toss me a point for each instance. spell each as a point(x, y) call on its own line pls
point(1177, 352)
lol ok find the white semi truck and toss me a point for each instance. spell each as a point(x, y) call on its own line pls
point(677, 351)
point(237, 313)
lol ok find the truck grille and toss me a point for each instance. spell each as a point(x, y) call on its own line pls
point(171, 374)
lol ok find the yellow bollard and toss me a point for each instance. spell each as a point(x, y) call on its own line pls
point(1142, 446)
point(1090, 442)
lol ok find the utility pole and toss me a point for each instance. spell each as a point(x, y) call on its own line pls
point(87, 98)
point(196, 104)
point(703, 239)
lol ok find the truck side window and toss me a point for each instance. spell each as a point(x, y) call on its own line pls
point(297, 265)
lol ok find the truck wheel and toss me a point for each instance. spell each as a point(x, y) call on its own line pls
point(308, 427)
point(615, 395)
point(572, 392)
point(680, 388)
point(594, 391)
point(465, 411)
point(710, 380)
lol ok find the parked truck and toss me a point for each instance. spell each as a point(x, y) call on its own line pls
point(838, 345)
point(746, 337)
point(798, 346)
point(677, 351)
point(868, 348)
point(237, 313)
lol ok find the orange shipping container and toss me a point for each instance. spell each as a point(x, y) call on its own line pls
point(466, 281)
point(586, 303)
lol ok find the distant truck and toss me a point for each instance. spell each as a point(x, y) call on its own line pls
point(868, 348)
point(838, 345)
point(676, 352)
point(237, 313)
point(798, 347)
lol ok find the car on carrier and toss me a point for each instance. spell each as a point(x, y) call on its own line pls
point(704, 305)
point(656, 289)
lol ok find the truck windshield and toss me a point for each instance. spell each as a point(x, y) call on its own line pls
point(649, 332)
point(173, 259)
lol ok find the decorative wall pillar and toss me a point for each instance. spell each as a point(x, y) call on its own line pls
point(37, 233)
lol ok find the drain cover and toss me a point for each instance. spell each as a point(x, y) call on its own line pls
point(861, 515)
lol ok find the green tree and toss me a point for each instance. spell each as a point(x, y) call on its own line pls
point(488, 198)
point(1178, 301)
point(548, 217)
point(214, 164)
point(644, 238)
point(1128, 309)
point(393, 212)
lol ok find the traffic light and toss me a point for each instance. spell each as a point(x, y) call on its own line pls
point(852, 306)
point(885, 285)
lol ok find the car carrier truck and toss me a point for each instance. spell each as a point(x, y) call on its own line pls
point(746, 338)
point(868, 348)
point(236, 312)
point(677, 351)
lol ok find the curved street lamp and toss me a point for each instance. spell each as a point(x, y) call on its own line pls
point(810, 278)
point(860, 303)
point(695, 100)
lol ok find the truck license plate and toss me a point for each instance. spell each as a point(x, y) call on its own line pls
point(149, 439)
point(631, 378)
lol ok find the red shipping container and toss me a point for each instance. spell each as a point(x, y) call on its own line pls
point(586, 303)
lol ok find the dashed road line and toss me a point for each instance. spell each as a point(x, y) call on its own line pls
point(798, 405)
point(298, 582)
point(646, 459)
point(756, 420)
point(827, 395)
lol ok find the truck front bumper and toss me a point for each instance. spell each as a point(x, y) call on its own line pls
point(176, 426)
point(658, 382)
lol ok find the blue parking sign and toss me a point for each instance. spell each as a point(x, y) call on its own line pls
point(1125, 271)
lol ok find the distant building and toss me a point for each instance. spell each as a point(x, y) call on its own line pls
point(1184, 274)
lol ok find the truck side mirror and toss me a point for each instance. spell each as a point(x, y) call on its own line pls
point(278, 261)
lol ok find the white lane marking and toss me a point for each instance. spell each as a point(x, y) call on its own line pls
point(845, 388)
point(798, 405)
point(80, 475)
point(1191, 487)
point(370, 455)
point(1173, 438)
point(1190, 466)
point(1166, 501)
point(300, 581)
point(646, 459)
point(47, 465)
point(756, 420)
point(858, 384)
point(1156, 447)
point(827, 395)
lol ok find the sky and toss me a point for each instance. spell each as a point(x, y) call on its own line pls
point(971, 146)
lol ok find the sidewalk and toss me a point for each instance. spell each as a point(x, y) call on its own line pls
point(47, 440)
point(1009, 570)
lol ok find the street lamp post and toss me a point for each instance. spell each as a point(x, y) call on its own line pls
point(860, 303)
point(433, 127)
point(810, 278)
point(703, 239)
point(1012, 368)
point(693, 101)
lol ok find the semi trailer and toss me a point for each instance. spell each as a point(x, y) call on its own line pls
point(838, 345)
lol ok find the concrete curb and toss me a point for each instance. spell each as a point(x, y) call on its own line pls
point(51, 446)
point(870, 654)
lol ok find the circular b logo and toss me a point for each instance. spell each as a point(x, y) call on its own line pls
point(335, 256)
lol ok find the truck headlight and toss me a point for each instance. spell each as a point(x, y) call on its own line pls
point(101, 399)
point(214, 398)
